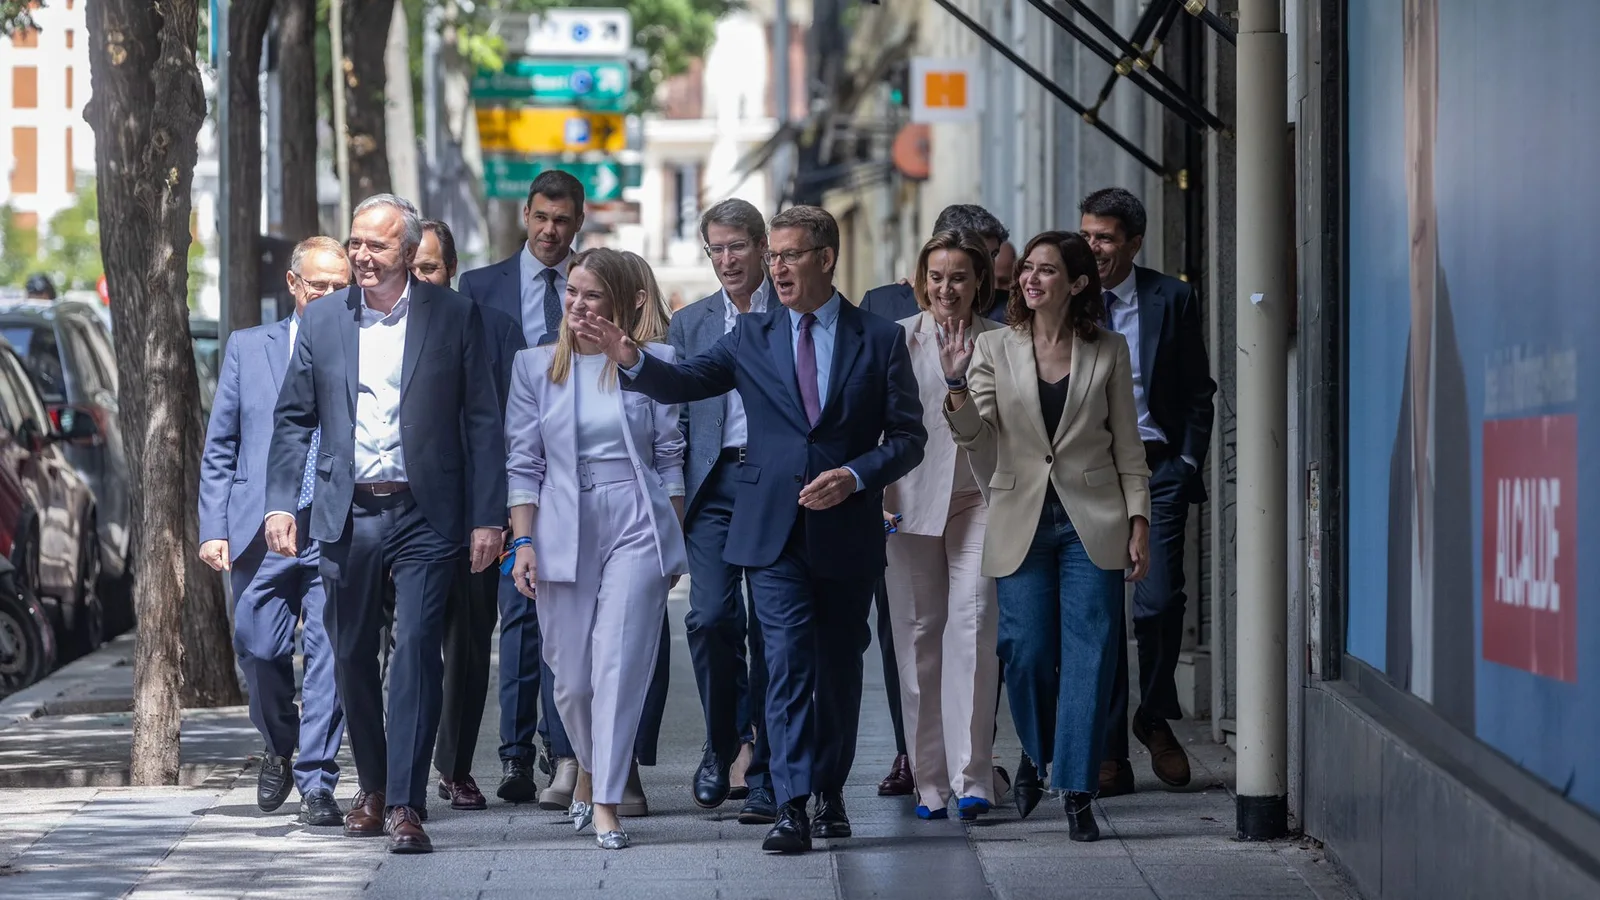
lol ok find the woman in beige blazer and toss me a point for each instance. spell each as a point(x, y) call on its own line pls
point(941, 606)
point(1069, 507)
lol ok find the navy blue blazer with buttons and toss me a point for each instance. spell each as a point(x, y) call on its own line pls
point(871, 422)
point(450, 416)
point(497, 289)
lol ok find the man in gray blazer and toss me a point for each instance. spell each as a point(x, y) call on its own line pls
point(392, 384)
point(732, 683)
point(272, 592)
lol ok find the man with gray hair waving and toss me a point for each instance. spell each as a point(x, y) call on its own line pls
point(393, 379)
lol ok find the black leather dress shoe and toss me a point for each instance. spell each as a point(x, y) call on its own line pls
point(1026, 791)
point(831, 820)
point(759, 808)
point(516, 782)
point(792, 833)
point(711, 781)
point(1081, 825)
point(320, 809)
point(273, 782)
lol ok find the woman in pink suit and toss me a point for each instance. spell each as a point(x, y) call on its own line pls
point(595, 479)
point(941, 608)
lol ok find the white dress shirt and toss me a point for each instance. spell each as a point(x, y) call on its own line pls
point(294, 332)
point(735, 427)
point(380, 355)
point(533, 286)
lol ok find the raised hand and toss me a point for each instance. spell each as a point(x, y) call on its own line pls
point(604, 334)
point(955, 350)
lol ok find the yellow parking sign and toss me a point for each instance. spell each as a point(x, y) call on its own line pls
point(534, 130)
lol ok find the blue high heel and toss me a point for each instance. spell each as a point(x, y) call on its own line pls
point(970, 808)
point(927, 814)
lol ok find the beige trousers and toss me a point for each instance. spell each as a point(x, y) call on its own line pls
point(944, 619)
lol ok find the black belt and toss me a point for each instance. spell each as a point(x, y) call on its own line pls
point(732, 455)
point(1158, 451)
point(382, 488)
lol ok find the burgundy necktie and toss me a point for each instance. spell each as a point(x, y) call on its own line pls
point(805, 367)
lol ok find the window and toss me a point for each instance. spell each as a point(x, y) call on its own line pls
point(25, 38)
point(69, 36)
point(72, 175)
point(29, 405)
point(69, 87)
point(86, 371)
point(11, 414)
point(25, 87)
point(25, 160)
point(37, 344)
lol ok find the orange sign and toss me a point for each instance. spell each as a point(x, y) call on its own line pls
point(945, 90)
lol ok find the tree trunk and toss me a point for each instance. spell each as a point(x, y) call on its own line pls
point(297, 79)
point(366, 32)
point(146, 106)
point(247, 25)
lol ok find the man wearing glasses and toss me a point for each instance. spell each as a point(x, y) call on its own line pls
point(273, 593)
point(732, 682)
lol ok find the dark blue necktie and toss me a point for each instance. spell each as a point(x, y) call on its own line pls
point(552, 308)
point(1110, 301)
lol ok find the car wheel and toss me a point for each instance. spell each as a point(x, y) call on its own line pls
point(89, 619)
point(25, 644)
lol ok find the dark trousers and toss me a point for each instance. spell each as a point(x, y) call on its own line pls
point(272, 594)
point(1158, 603)
point(891, 669)
point(468, 639)
point(527, 687)
point(390, 534)
point(732, 682)
point(814, 631)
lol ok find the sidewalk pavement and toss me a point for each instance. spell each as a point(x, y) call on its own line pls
point(209, 840)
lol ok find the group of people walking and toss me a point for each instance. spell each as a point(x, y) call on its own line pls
point(549, 449)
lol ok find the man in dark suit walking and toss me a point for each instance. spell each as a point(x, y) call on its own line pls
point(895, 302)
point(1172, 390)
point(732, 681)
point(833, 419)
point(392, 378)
point(272, 593)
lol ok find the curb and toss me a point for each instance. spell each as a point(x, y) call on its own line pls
point(55, 693)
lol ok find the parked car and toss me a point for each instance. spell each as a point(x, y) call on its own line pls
point(66, 348)
point(27, 638)
point(48, 529)
point(207, 359)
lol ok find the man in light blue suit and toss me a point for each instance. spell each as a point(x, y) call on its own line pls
point(273, 593)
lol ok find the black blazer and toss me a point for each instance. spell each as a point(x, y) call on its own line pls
point(450, 425)
point(1175, 369)
point(871, 422)
point(898, 301)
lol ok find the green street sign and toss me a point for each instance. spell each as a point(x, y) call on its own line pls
point(600, 85)
point(507, 178)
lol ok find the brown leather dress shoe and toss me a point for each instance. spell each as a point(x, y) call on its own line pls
point(404, 828)
point(463, 794)
point(1116, 778)
point(898, 783)
point(365, 818)
point(1167, 758)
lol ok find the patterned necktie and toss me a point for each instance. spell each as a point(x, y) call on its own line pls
point(552, 306)
point(805, 366)
point(308, 481)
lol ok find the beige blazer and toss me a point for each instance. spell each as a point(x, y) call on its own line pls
point(922, 498)
point(1095, 459)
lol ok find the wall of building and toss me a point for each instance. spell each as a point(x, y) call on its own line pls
point(44, 84)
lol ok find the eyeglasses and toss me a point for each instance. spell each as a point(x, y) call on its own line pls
point(737, 248)
point(789, 257)
point(322, 287)
point(373, 247)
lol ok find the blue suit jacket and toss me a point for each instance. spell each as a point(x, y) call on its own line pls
point(1176, 372)
point(497, 289)
point(871, 421)
point(450, 417)
point(233, 467)
point(695, 329)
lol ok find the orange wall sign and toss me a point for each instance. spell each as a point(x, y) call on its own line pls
point(945, 90)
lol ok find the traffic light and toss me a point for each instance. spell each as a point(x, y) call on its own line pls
point(899, 81)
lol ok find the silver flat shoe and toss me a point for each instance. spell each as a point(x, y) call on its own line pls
point(612, 840)
point(581, 814)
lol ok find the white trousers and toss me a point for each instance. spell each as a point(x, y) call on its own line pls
point(945, 619)
point(601, 633)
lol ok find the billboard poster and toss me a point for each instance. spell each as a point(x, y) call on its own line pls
point(1472, 481)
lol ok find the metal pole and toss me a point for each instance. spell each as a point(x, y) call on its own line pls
point(783, 157)
point(1265, 298)
point(219, 26)
point(341, 142)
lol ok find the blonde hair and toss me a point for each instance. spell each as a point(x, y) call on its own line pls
point(655, 315)
point(623, 284)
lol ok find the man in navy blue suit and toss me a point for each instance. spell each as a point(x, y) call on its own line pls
point(527, 289)
point(273, 593)
point(833, 419)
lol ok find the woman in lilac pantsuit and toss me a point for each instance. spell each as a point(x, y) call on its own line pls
point(586, 460)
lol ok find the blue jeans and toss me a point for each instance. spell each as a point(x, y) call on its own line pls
point(1058, 621)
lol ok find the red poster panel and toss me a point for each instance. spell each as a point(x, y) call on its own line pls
point(1530, 544)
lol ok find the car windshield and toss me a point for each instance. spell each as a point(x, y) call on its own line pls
point(36, 345)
